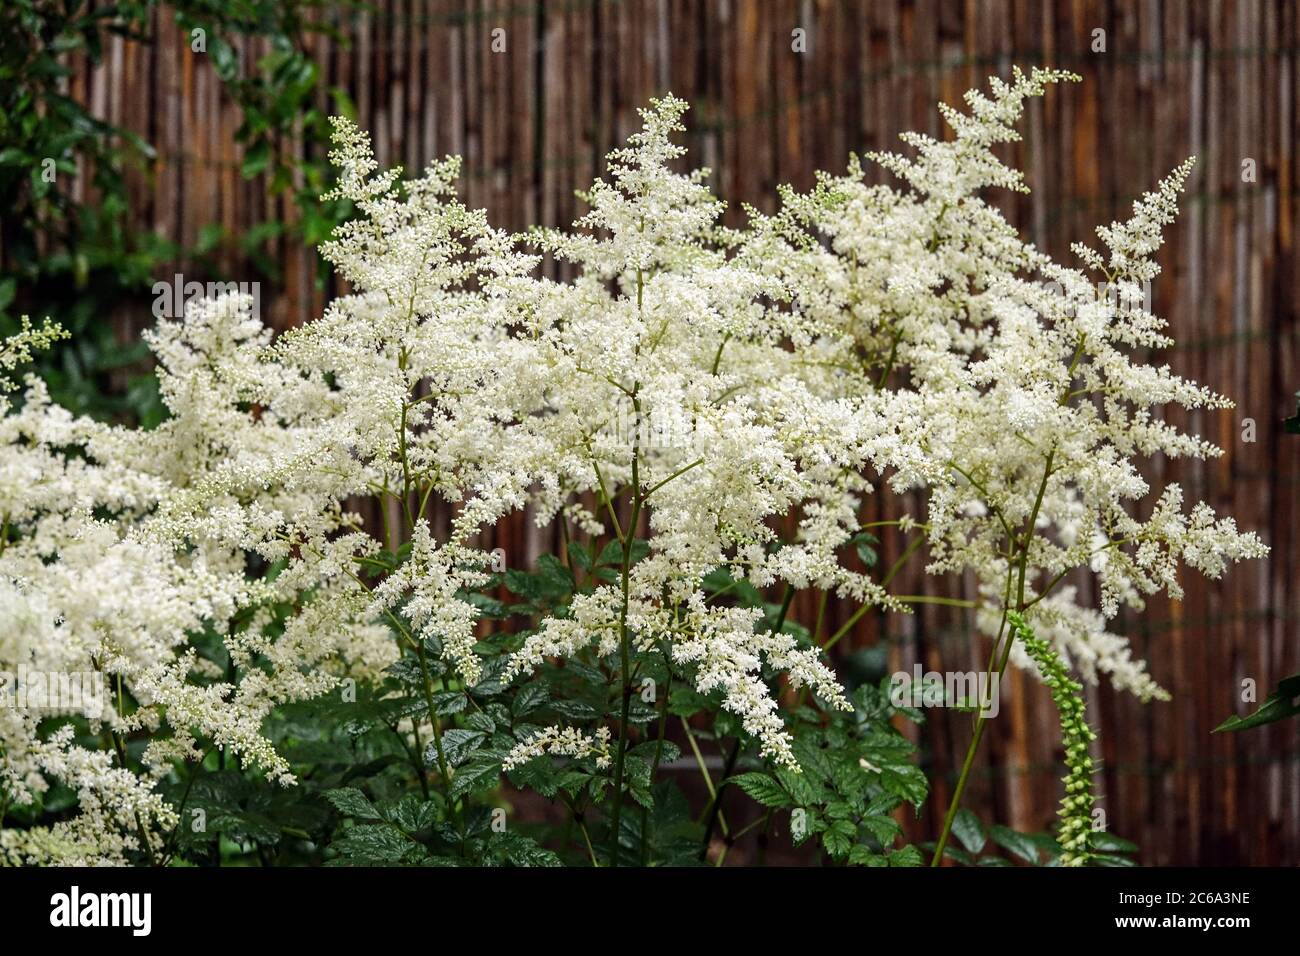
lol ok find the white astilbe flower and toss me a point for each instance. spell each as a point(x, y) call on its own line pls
point(689, 395)
point(89, 591)
point(116, 809)
point(726, 651)
point(1019, 380)
point(430, 581)
point(84, 601)
point(561, 742)
point(592, 618)
point(401, 388)
point(665, 380)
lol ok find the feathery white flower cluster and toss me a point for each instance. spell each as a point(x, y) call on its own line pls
point(1016, 378)
point(861, 334)
point(561, 742)
point(81, 596)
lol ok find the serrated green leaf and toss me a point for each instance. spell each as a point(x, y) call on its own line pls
point(351, 802)
point(907, 782)
point(518, 850)
point(905, 856)
point(884, 829)
point(860, 855)
point(529, 698)
point(838, 838)
point(579, 555)
point(449, 702)
point(411, 813)
point(762, 788)
point(479, 774)
point(376, 844)
point(457, 745)
point(480, 721)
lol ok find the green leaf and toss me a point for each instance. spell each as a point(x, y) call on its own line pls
point(838, 810)
point(1282, 703)
point(905, 856)
point(579, 555)
point(537, 774)
point(805, 791)
point(955, 853)
point(862, 542)
point(1109, 843)
point(373, 844)
point(518, 850)
point(968, 829)
point(449, 702)
point(838, 838)
point(457, 745)
point(612, 553)
point(223, 58)
point(483, 772)
point(480, 721)
point(907, 782)
point(861, 855)
point(489, 607)
point(575, 709)
point(1018, 844)
point(411, 813)
point(646, 751)
point(351, 802)
point(256, 159)
point(637, 772)
point(763, 788)
point(556, 578)
point(884, 829)
point(529, 698)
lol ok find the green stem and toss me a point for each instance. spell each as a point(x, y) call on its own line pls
point(715, 805)
point(704, 772)
point(443, 770)
point(934, 599)
point(675, 474)
point(654, 769)
point(967, 763)
point(1026, 536)
point(884, 582)
point(624, 644)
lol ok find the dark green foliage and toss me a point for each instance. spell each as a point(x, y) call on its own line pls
point(367, 794)
point(1284, 702)
point(995, 845)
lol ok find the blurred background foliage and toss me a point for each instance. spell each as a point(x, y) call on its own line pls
point(76, 261)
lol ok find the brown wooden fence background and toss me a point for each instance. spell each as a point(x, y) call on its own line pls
point(1214, 79)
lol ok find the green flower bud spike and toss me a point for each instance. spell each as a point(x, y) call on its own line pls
point(1076, 735)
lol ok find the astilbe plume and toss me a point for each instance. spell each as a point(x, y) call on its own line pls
point(1017, 378)
point(691, 386)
